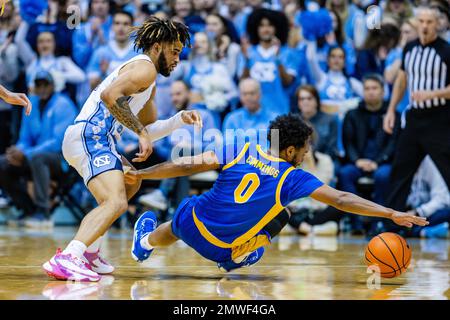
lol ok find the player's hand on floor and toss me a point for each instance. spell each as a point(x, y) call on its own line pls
point(408, 220)
point(192, 117)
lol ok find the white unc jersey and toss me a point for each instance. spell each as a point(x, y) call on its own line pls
point(94, 110)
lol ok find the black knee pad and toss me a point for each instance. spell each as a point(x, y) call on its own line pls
point(276, 224)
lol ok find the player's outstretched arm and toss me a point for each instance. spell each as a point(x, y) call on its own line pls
point(350, 202)
point(19, 99)
point(133, 78)
point(184, 166)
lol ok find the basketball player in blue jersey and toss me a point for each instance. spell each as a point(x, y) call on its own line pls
point(124, 98)
point(231, 223)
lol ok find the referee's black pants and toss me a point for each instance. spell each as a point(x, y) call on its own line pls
point(427, 132)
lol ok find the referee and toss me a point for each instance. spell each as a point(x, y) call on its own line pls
point(425, 70)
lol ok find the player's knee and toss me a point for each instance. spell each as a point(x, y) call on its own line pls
point(118, 205)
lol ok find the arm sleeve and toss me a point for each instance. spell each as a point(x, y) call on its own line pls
point(162, 128)
point(298, 184)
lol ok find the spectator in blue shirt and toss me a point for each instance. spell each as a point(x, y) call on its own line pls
point(336, 38)
point(93, 33)
point(338, 92)
point(252, 119)
point(267, 59)
point(108, 57)
point(37, 155)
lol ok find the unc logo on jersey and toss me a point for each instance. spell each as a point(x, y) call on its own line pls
point(263, 71)
point(102, 161)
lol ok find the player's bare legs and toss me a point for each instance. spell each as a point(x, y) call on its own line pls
point(162, 236)
point(109, 189)
point(110, 192)
point(93, 253)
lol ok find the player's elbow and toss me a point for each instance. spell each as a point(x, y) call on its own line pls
point(108, 96)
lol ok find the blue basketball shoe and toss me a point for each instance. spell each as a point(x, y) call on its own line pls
point(251, 259)
point(146, 224)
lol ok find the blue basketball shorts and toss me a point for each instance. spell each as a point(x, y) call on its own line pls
point(184, 228)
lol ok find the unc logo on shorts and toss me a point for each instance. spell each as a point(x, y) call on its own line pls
point(102, 161)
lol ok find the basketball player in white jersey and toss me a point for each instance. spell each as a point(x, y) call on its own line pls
point(124, 98)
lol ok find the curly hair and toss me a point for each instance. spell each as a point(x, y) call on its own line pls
point(155, 30)
point(292, 131)
point(276, 18)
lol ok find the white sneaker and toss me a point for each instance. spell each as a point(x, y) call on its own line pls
point(329, 228)
point(98, 263)
point(154, 199)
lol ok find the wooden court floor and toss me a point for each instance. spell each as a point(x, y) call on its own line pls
point(292, 268)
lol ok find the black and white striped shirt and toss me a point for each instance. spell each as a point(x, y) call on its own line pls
point(427, 68)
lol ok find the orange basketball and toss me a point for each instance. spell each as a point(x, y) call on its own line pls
point(389, 252)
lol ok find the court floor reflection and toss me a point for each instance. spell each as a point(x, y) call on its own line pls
point(292, 268)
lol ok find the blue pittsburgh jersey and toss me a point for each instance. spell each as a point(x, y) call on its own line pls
point(252, 189)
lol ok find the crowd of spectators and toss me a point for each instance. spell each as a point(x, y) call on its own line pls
point(332, 61)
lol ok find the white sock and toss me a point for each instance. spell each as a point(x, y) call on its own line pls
point(94, 247)
point(145, 243)
point(75, 248)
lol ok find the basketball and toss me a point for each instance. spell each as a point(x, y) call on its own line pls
point(390, 252)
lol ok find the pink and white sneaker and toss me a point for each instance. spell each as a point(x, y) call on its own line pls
point(97, 263)
point(67, 267)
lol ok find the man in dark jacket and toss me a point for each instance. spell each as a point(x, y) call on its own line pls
point(369, 150)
